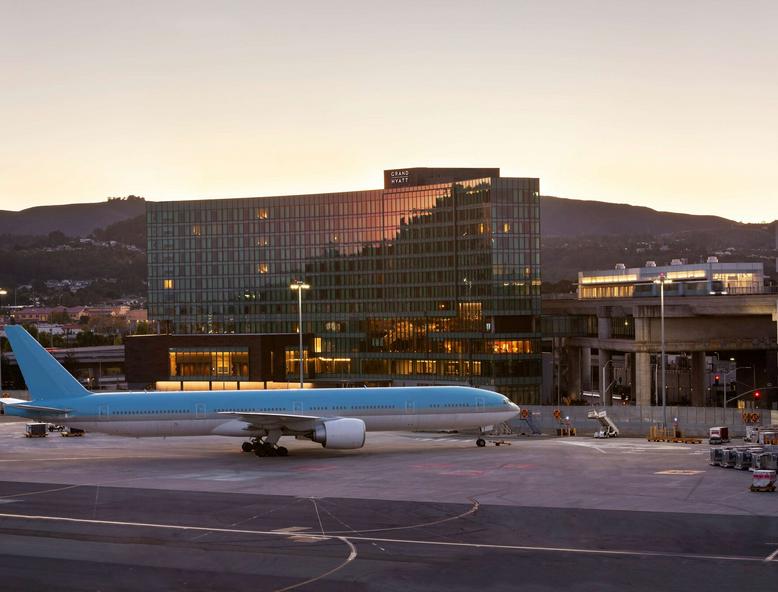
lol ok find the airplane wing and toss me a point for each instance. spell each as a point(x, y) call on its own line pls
point(274, 421)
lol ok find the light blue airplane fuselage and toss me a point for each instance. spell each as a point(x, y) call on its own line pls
point(335, 417)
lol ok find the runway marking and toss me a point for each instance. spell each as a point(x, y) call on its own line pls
point(353, 554)
point(584, 444)
point(472, 510)
point(772, 556)
point(678, 472)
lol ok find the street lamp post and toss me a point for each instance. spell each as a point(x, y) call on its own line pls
point(3, 292)
point(662, 280)
point(299, 286)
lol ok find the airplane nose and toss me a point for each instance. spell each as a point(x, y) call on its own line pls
point(515, 407)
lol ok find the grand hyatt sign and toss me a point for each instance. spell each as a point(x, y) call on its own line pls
point(399, 177)
point(413, 176)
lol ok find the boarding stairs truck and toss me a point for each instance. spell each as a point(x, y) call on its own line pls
point(608, 428)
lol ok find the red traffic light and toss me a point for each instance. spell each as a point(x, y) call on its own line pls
point(757, 394)
point(717, 378)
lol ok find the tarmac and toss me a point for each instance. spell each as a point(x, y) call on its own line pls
point(409, 511)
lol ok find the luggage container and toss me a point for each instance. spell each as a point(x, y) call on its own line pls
point(730, 458)
point(745, 458)
point(36, 430)
point(765, 461)
point(715, 456)
point(766, 437)
point(721, 457)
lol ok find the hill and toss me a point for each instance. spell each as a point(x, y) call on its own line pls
point(577, 217)
point(576, 235)
point(72, 219)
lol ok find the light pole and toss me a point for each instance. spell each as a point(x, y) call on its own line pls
point(299, 286)
point(662, 280)
point(3, 292)
point(467, 313)
point(725, 374)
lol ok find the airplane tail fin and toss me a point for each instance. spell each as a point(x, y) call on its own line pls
point(45, 376)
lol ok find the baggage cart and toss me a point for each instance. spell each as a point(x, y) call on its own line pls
point(36, 430)
point(763, 480)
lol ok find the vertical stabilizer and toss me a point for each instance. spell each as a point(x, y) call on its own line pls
point(45, 376)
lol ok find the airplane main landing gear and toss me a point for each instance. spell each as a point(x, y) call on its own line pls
point(264, 447)
point(480, 442)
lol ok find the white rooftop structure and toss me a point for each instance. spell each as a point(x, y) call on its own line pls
point(696, 279)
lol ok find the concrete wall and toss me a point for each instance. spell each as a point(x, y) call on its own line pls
point(635, 421)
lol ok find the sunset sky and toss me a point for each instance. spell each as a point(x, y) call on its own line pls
point(671, 104)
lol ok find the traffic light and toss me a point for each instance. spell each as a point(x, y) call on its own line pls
point(757, 394)
point(716, 379)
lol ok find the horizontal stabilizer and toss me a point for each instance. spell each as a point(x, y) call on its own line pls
point(40, 408)
point(11, 401)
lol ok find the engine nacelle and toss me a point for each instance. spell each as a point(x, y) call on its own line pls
point(347, 432)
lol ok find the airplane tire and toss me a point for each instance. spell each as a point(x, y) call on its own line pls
point(271, 451)
point(247, 447)
point(282, 451)
point(260, 452)
point(480, 442)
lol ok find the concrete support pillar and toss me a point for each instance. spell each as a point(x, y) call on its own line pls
point(574, 379)
point(642, 384)
point(603, 327)
point(586, 368)
point(606, 376)
point(698, 379)
point(629, 363)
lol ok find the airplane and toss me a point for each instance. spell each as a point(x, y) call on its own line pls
point(336, 418)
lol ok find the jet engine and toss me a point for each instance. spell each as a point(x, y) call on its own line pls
point(347, 432)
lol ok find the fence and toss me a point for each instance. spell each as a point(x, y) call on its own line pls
point(635, 421)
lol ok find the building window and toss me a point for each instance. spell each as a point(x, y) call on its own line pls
point(263, 268)
point(262, 213)
point(204, 363)
point(168, 284)
point(197, 230)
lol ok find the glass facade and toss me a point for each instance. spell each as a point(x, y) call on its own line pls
point(414, 285)
point(207, 364)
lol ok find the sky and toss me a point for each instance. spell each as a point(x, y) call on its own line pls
point(670, 104)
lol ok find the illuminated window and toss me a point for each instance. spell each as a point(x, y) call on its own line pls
point(262, 267)
point(197, 230)
point(203, 363)
point(512, 346)
point(167, 284)
point(262, 213)
point(506, 227)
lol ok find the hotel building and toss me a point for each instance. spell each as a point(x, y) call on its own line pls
point(433, 279)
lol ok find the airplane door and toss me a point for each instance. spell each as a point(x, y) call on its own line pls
point(410, 414)
point(103, 411)
point(200, 411)
point(297, 407)
point(479, 404)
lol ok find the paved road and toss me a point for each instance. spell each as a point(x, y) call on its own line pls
point(408, 512)
point(115, 538)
